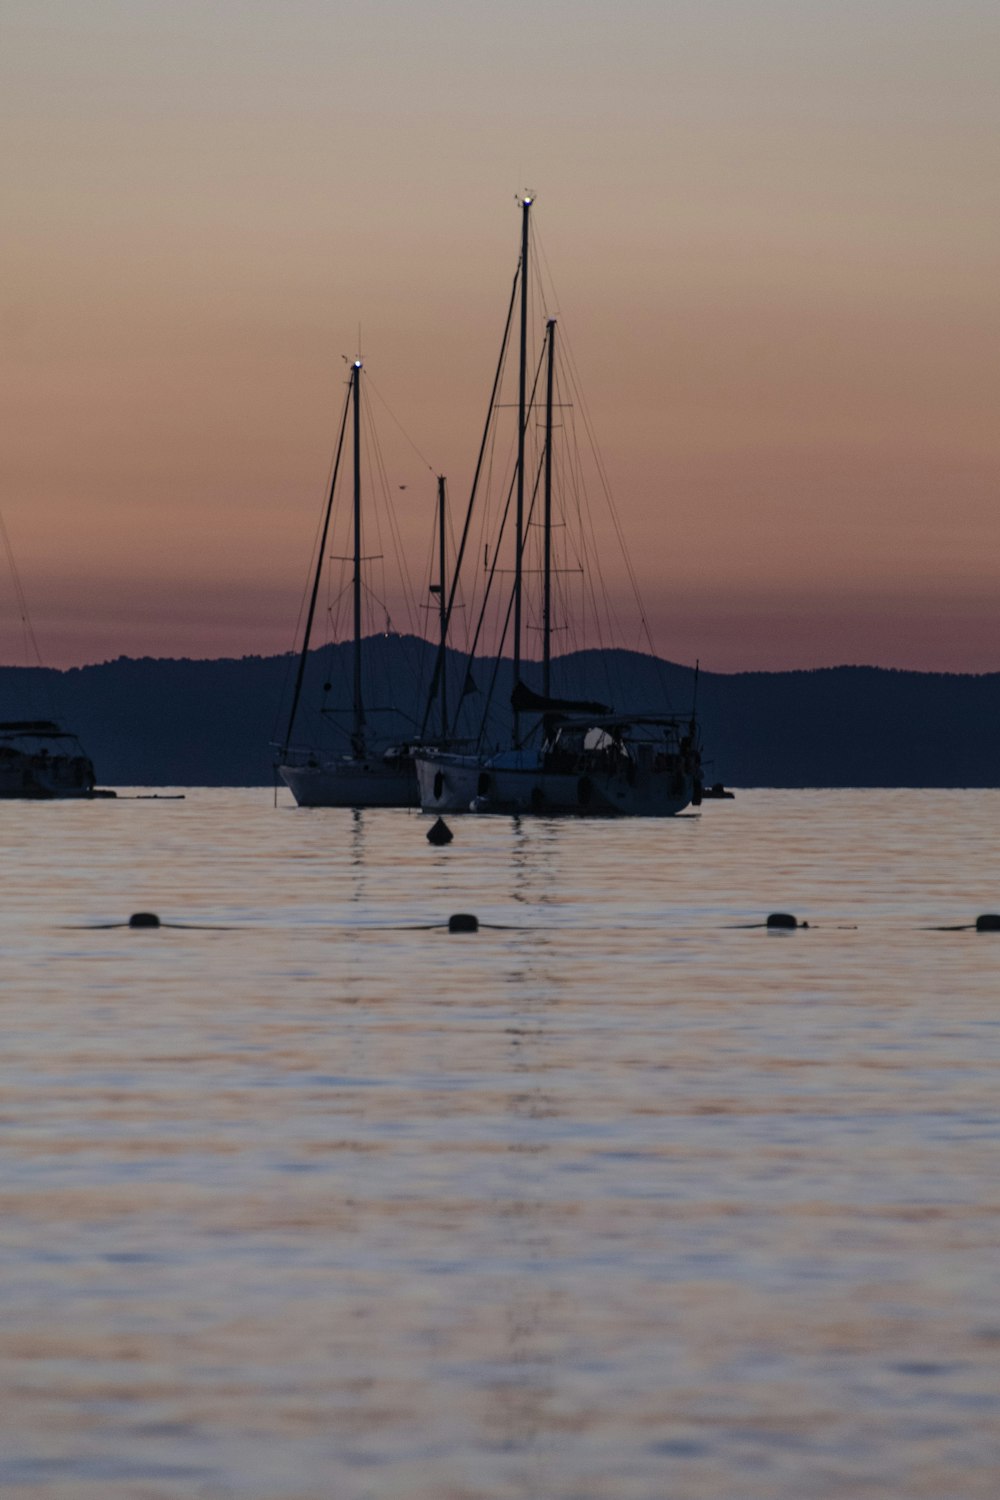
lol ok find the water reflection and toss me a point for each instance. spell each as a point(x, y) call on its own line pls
point(608, 1201)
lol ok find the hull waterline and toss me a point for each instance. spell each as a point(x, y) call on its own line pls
point(350, 783)
point(462, 784)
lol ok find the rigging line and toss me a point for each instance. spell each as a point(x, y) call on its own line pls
point(603, 614)
point(570, 485)
point(333, 608)
point(371, 513)
point(19, 594)
point(382, 502)
point(338, 593)
point(470, 658)
point(529, 406)
point(546, 281)
point(319, 570)
point(378, 467)
point(587, 550)
point(510, 601)
point(439, 667)
point(547, 285)
point(613, 512)
point(405, 644)
point(393, 418)
point(605, 484)
point(528, 519)
point(303, 597)
point(406, 585)
point(575, 536)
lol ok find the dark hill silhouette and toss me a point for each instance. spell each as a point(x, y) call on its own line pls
point(161, 722)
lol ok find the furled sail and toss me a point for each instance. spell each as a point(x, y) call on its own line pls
point(524, 701)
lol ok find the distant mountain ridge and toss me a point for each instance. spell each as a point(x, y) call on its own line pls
point(164, 722)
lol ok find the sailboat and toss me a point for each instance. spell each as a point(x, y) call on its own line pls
point(362, 776)
point(40, 760)
point(581, 758)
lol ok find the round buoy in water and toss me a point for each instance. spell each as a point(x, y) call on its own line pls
point(988, 922)
point(144, 919)
point(782, 920)
point(439, 833)
point(463, 921)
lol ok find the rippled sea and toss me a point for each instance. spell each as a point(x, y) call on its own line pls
point(622, 1197)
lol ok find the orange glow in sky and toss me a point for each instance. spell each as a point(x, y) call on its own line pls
point(773, 233)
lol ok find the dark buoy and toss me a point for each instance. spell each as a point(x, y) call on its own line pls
point(988, 922)
point(440, 833)
point(144, 919)
point(783, 921)
point(463, 921)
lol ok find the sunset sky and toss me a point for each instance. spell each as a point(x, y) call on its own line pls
point(772, 226)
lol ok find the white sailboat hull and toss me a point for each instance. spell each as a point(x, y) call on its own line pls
point(453, 784)
point(352, 783)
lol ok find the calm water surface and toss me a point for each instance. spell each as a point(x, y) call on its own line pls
point(615, 1200)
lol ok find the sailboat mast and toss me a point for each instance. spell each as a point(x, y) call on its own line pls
point(547, 577)
point(443, 602)
point(358, 737)
point(522, 385)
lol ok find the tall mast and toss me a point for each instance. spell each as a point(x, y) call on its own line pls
point(443, 603)
point(358, 737)
point(547, 595)
point(521, 423)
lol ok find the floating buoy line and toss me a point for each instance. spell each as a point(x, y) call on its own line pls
point(464, 921)
point(148, 921)
point(988, 922)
